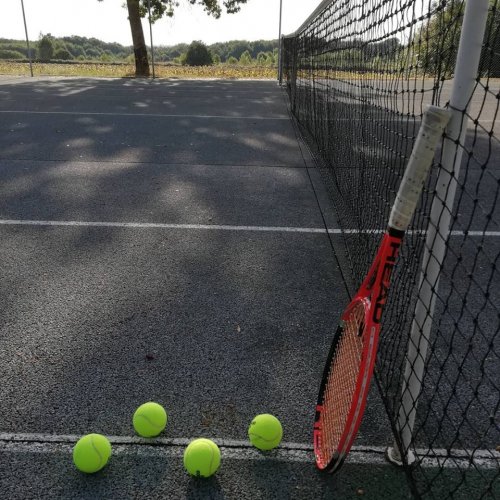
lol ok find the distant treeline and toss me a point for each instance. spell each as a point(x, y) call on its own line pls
point(79, 48)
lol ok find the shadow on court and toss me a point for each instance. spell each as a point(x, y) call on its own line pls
point(200, 299)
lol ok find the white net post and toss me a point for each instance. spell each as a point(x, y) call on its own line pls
point(466, 69)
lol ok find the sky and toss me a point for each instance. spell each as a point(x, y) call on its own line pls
point(107, 21)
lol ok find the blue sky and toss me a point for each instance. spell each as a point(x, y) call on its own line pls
point(107, 21)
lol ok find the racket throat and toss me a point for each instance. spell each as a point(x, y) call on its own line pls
point(376, 285)
point(384, 280)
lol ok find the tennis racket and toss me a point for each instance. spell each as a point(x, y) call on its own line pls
point(350, 363)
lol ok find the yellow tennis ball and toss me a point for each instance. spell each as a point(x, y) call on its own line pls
point(202, 457)
point(149, 419)
point(91, 453)
point(265, 432)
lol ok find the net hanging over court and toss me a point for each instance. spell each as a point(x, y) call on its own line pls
point(359, 75)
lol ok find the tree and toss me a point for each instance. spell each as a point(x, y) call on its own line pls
point(272, 58)
point(436, 42)
point(490, 57)
point(45, 47)
point(236, 47)
point(10, 54)
point(261, 59)
point(63, 54)
point(138, 9)
point(246, 58)
point(198, 55)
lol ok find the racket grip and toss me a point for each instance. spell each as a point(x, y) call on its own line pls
point(433, 123)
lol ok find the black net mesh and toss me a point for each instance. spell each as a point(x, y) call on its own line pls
point(359, 74)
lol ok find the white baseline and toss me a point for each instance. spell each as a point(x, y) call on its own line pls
point(222, 227)
point(243, 450)
point(148, 115)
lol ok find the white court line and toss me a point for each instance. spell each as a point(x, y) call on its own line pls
point(218, 227)
point(153, 225)
point(159, 115)
point(149, 115)
point(243, 450)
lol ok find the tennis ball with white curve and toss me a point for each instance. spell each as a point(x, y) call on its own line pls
point(91, 453)
point(265, 432)
point(149, 419)
point(202, 458)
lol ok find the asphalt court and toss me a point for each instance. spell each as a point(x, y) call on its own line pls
point(218, 324)
point(143, 138)
point(192, 268)
point(141, 122)
point(173, 279)
point(228, 99)
point(153, 192)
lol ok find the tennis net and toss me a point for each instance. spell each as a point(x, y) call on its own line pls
point(359, 74)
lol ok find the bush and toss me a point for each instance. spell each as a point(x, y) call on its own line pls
point(198, 55)
point(245, 58)
point(262, 59)
point(63, 54)
point(11, 54)
point(46, 48)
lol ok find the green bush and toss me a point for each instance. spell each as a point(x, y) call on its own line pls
point(245, 58)
point(11, 54)
point(46, 47)
point(63, 54)
point(198, 55)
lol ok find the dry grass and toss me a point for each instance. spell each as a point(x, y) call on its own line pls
point(124, 70)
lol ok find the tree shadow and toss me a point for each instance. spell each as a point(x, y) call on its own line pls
point(100, 319)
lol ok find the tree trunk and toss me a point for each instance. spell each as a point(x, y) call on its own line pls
point(140, 50)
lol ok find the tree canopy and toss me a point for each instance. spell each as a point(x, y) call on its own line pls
point(436, 42)
point(198, 55)
point(78, 48)
point(138, 9)
point(46, 48)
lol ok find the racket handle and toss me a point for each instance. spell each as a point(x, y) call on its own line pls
point(433, 123)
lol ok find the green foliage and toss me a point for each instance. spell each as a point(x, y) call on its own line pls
point(92, 53)
point(17, 46)
point(489, 64)
point(161, 8)
point(11, 54)
point(170, 53)
point(46, 47)
point(198, 54)
point(235, 48)
point(262, 52)
point(245, 58)
point(106, 57)
point(261, 59)
point(436, 42)
point(70, 47)
point(63, 54)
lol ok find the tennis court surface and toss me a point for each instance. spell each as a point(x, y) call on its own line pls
point(164, 241)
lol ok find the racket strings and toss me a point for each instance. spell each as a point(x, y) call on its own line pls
point(341, 383)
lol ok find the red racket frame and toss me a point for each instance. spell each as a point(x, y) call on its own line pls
point(373, 296)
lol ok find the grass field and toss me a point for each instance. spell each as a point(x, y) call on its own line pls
point(125, 70)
